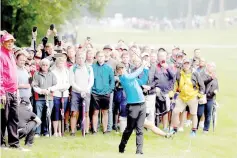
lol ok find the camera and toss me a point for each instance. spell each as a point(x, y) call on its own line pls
point(59, 43)
point(34, 29)
point(51, 27)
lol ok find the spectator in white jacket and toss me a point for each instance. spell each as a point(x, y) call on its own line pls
point(81, 80)
point(62, 74)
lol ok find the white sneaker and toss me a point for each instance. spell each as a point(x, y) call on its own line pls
point(36, 136)
point(201, 124)
point(4, 147)
point(55, 134)
point(47, 135)
point(180, 129)
point(23, 149)
point(205, 132)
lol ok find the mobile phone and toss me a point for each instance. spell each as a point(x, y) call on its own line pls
point(34, 28)
point(51, 27)
point(59, 43)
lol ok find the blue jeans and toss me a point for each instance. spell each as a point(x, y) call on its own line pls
point(41, 113)
point(56, 113)
point(110, 113)
point(207, 110)
point(120, 103)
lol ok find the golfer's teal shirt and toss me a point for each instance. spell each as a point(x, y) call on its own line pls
point(131, 87)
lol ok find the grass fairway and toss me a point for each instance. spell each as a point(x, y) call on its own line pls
point(202, 36)
point(221, 144)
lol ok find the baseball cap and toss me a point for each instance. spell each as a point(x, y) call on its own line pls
point(175, 47)
point(145, 54)
point(119, 65)
point(108, 47)
point(122, 46)
point(22, 52)
point(179, 54)
point(186, 60)
point(7, 37)
point(29, 50)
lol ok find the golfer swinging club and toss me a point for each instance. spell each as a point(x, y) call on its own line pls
point(135, 106)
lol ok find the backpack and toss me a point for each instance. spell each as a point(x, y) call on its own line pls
point(75, 66)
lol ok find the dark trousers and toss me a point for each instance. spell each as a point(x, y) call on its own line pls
point(207, 110)
point(135, 119)
point(28, 132)
point(9, 119)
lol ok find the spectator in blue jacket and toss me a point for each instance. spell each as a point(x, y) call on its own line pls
point(103, 86)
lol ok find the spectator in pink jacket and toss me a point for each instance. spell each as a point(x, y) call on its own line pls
point(8, 92)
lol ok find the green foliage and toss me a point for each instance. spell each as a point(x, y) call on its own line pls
point(19, 16)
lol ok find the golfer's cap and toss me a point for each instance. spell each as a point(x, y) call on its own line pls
point(145, 54)
point(186, 60)
point(175, 47)
point(7, 37)
point(108, 47)
point(119, 65)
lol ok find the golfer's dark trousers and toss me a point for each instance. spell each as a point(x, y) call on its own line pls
point(135, 120)
point(9, 119)
point(28, 132)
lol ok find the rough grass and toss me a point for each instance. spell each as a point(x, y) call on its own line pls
point(221, 144)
